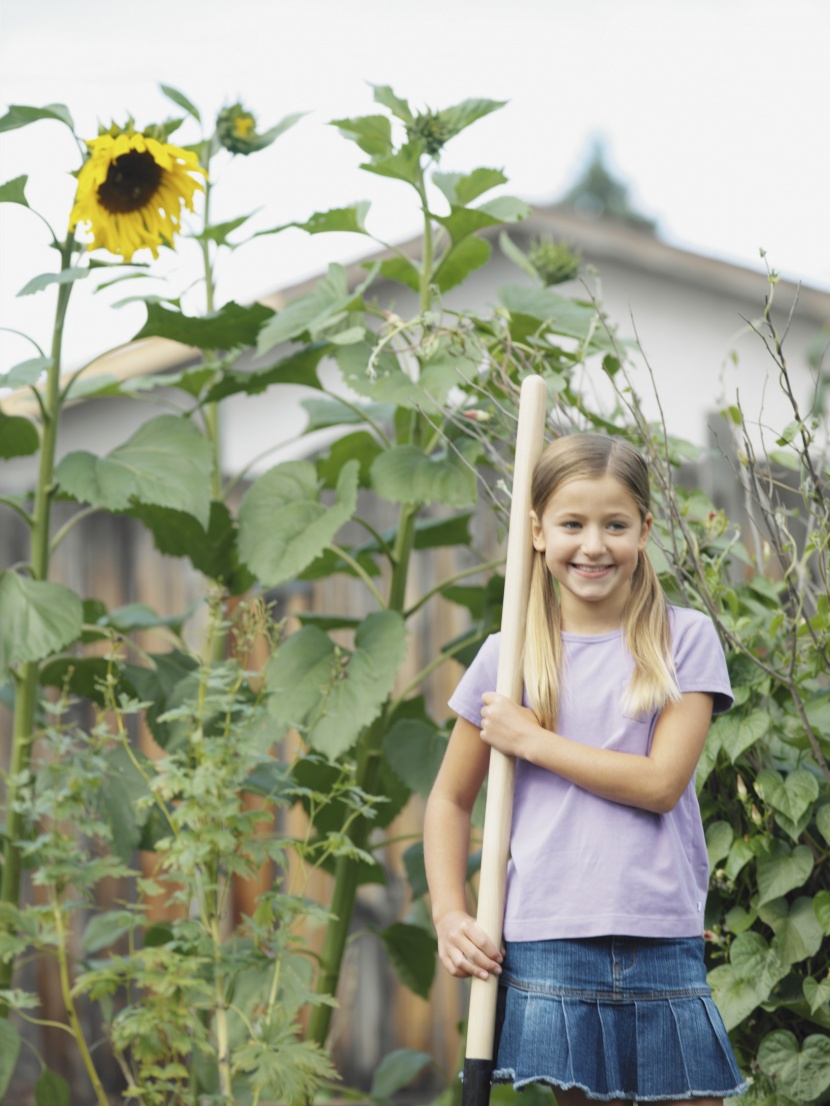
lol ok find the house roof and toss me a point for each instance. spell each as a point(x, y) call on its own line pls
point(605, 238)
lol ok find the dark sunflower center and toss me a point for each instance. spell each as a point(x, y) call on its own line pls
point(131, 182)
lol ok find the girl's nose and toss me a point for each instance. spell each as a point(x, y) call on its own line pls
point(593, 541)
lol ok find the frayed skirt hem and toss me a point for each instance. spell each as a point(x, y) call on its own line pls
point(506, 1076)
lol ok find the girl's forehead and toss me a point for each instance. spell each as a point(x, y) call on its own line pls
point(588, 492)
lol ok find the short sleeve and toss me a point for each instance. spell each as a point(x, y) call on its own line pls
point(479, 677)
point(699, 658)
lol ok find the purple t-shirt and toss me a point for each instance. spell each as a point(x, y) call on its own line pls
point(582, 866)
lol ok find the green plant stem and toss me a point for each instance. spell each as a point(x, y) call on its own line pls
point(223, 1047)
point(210, 412)
point(425, 281)
point(71, 1011)
point(27, 686)
point(366, 777)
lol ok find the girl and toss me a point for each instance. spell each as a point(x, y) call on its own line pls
point(602, 986)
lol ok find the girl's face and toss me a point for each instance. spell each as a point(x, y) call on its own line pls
point(591, 534)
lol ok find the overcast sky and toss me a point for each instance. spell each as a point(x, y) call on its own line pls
point(713, 111)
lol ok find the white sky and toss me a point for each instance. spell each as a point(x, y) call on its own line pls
point(714, 112)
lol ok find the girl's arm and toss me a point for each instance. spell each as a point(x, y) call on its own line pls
point(464, 948)
point(653, 782)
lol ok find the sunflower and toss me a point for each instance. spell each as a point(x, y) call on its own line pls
point(131, 191)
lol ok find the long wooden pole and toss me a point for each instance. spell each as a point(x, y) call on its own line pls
point(478, 1065)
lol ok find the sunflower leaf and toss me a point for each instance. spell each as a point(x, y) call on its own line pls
point(65, 276)
point(13, 191)
point(165, 463)
point(37, 618)
point(27, 373)
point(18, 436)
point(181, 100)
point(20, 115)
point(231, 326)
point(344, 219)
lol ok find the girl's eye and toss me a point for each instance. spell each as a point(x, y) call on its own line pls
point(617, 526)
point(571, 525)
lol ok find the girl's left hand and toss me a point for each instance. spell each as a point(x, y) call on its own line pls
point(506, 726)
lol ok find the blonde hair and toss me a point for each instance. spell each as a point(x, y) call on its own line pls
point(645, 619)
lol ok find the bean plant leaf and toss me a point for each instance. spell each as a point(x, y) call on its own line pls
point(738, 734)
point(396, 1071)
point(20, 115)
point(735, 997)
point(14, 191)
point(9, 1051)
point(798, 933)
point(330, 693)
point(405, 474)
point(821, 906)
point(165, 463)
point(18, 436)
point(719, 836)
point(793, 795)
point(802, 1074)
point(783, 872)
point(412, 951)
point(283, 525)
point(37, 618)
point(228, 328)
point(816, 993)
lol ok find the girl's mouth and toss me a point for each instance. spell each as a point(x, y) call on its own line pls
point(591, 570)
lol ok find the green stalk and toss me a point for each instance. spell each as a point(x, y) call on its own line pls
point(426, 264)
point(366, 777)
point(71, 1011)
point(27, 685)
point(211, 410)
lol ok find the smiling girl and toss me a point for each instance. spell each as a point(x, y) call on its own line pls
point(602, 984)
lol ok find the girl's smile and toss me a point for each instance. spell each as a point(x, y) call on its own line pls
point(591, 533)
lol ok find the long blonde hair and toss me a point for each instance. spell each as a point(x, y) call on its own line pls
point(645, 618)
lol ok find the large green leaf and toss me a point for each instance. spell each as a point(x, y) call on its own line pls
point(791, 797)
point(331, 693)
point(460, 116)
point(402, 270)
point(165, 463)
point(719, 837)
point(9, 1051)
point(121, 789)
point(37, 618)
point(211, 550)
point(463, 221)
point(738, 734)
point(18, 436)
point(801, 1074)
point(387, 383)
point(229, 327)
point(735, 998)
point(361, 446)
point(405, 474)
point(412, 951)
point(166, 685)
point(396, 1071)
point(414, 750)
point(26, 373)
point(323, 413)
point(404, 164)
point(783, 872)
point(283, 525)
point(798, 933)
point(299, 368)
point(20, 115)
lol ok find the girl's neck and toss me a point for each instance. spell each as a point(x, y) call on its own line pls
point(589, 620)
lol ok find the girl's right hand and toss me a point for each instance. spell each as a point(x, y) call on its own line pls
point(464, 947)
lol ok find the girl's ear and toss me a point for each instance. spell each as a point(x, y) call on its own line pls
point(648, 522)
point(537, 532)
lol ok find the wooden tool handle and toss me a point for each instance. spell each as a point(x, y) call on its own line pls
point(499, 809)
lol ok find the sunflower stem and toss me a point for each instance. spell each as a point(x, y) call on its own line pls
point(27, 687)
point(211, 410)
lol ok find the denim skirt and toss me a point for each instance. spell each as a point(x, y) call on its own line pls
point(617, 1017)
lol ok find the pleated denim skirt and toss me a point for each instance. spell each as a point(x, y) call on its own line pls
point(627, 1018)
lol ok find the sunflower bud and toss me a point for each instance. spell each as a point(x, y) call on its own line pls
point(554, 262)
point(236, 130)
point(432, 129)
